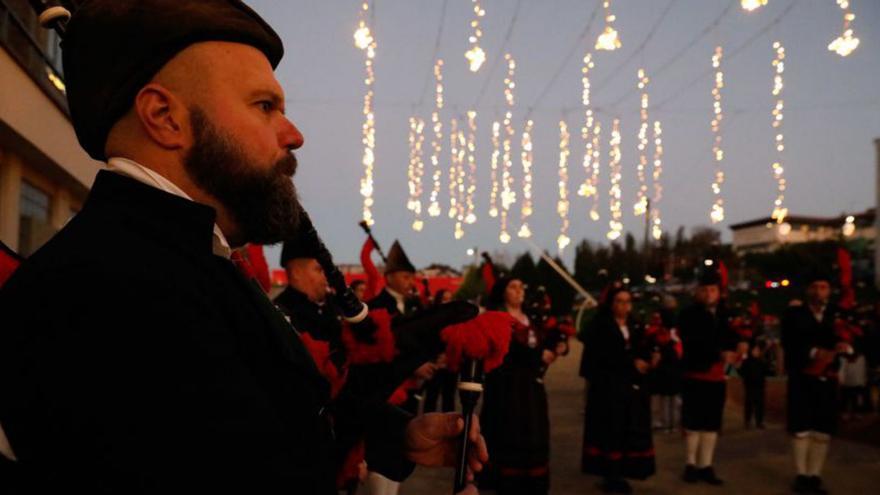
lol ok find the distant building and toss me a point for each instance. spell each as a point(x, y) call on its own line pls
point(764, 234)
point(44, 173)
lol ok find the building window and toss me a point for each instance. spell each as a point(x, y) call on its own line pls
point(34, 210)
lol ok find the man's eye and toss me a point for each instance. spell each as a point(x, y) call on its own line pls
point(266, 106)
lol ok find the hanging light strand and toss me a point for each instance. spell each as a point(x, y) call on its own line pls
point(779, 210)
point(453, 168)
point(437, 140)
point(588, 188)
point(527, 157)
point(641, 205)
point(597, 162)
point(496, 154)
point(752, 5)
point(846, 43)
point(562, 206)
point(364, 40)
point(716, 214)
point(508, 196)
point(416, 170)
point(656, 223)
point(461, 147)
point(615, 227)
point(609, 39)
point(475, 55)
point(470, 215)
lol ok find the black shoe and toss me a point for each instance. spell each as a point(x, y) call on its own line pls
point(691, 474)
point(816, 487)
point(802, 484)
point(707, 474)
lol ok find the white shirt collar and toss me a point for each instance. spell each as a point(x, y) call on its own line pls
point(138, 172)
point(401, 300)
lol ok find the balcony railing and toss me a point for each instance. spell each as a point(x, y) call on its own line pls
point(31, 55)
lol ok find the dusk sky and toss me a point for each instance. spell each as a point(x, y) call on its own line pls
point(832, 109)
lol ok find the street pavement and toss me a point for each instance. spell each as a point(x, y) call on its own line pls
point(749, 461)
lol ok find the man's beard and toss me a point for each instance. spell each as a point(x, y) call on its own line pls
point(263, 204)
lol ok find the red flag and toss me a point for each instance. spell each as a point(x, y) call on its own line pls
point(723, 275)
point(847, 294)
point(9, 262)
point(488, 274)
point(373, 277)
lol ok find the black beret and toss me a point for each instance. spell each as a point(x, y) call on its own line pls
point(113, 48)
point(297, 248)
point(709, 276)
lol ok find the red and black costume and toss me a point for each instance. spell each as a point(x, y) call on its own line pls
point(617, 425)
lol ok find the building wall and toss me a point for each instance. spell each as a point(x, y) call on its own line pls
point(764, 238)
point(39, 147)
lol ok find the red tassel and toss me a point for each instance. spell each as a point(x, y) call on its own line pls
point(382, 351)
point(485, 337)
point(349, 472)
point(260, 267)
point(320, 352)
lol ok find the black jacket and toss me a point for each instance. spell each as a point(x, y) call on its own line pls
point(801, 333)
point(320, 321)
point(384, 300)
point(134, 360)
point(704, 335)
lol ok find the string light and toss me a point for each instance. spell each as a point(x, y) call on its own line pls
point(609, 39)
point(527, 157)
point(562, 205)
point(716, 214)
point(496, 153)
point(846, 43)
point(453, 168)
point(597, 144)
point(641, 205)
point(508, 196)
point(590, 185)
point(614, 224)
point(437, 141)
point(752, 5)
point(779, 211)
point(470, 216)
point(476, 56)
point(364, 40)
point(416, 170)
point(656, 223)
point(462, 190)
point(457, 175)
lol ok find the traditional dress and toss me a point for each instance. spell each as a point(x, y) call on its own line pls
point(617, 427)
point(514, 417)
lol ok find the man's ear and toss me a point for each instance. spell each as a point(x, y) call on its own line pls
point(163, 116)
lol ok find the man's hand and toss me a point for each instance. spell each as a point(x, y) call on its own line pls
point(469, 490)
point(548, 357)
point(426, 371)
point(642, 365)
point(433, 440)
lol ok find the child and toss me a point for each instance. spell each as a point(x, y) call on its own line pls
point(754, 371)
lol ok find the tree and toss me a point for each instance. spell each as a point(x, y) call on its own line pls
point(561, 294)
point(524, 269)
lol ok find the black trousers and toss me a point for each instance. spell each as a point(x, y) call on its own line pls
point(754, 403)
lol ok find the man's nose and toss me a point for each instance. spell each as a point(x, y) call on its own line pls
point(289, 136)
